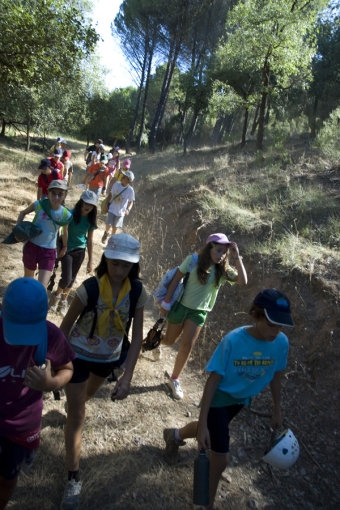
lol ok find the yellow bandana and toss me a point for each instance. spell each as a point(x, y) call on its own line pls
point(105, 292)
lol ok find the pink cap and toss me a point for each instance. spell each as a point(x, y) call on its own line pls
point(127, 163)
point(218, 238)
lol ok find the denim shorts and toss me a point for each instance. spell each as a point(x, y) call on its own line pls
point(34, 255)
point(115, 221)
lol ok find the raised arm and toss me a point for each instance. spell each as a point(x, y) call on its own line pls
point(242, 278)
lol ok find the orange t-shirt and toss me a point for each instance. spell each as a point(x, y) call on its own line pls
point(99, 175)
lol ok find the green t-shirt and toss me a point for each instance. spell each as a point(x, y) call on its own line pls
point(77, 234)
point(201, 297)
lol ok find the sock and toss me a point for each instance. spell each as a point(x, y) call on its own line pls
point(177, 436)
point(74, 475)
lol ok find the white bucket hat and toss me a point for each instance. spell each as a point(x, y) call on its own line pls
point(122, 247)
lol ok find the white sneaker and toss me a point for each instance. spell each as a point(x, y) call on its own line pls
point(54, 302)
point(63, 307)
point(176, 389)
point(71, 497)
point(157, 353)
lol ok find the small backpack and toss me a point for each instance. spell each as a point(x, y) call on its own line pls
point(160, 292)
point(55, 175)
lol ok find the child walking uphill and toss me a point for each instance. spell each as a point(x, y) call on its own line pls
point(80, 236)
point(49, 215)
point(244, 363)
point(120, 200)
point(27, 342)
point(97, 338)
point(188, 316)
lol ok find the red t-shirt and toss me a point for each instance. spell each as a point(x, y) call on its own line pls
point(99, 179)
point(45, 180)
point(20, 407)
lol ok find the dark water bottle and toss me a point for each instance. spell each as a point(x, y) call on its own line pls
point(201, 479)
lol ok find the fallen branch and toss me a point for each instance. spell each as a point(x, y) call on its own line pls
point(261, 413)
point(311, 456)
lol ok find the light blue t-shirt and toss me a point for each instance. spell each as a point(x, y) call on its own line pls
point(246, 365)
point(48, 237)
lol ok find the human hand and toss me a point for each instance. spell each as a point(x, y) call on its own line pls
point(203, 438)
point(233, 250)
point(62, 252)
point(89, 267)
point(277, 419)
point(40, 379)
point(122, 388)
point(127, 212)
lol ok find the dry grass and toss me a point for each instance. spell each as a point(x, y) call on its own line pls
point(179, 200)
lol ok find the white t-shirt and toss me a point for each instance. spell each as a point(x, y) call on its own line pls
point(121, 196)
point(68, 169)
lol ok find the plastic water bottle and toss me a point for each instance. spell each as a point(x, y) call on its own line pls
point(80, 186)
point(201, 479)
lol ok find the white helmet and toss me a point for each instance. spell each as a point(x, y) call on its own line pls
point(284, 452)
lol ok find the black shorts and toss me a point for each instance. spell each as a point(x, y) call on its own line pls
point(12, 457)
point(83, 368)
point(218, 426)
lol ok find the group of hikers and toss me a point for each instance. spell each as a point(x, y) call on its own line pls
point(93, 337)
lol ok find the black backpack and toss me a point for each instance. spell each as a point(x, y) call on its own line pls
point(54, 175)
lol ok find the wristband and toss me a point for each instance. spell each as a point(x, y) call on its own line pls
point(166, 301)
point(166, 306)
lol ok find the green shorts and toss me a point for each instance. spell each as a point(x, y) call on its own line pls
point(179, 313)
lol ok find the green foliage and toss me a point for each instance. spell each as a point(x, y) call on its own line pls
point(41, 39)
point(328, 139)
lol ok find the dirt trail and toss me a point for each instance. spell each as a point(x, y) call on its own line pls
point(122, 463)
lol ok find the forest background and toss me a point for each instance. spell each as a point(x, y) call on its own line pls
point(206, 72)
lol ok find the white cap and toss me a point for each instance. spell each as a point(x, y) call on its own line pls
point(129, 174)
point(122, 247)
point(89, 197)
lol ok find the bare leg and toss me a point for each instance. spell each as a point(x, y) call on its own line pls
point(218, 463)
point(189, 337)
point(93, 384)
point(6, 490)
point(173, 332)
point(189, 430)
point(28, 273)
point(76, 397)
point(44, 277)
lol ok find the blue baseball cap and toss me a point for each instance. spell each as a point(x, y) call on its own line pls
point(24, 312)
point(276, 307)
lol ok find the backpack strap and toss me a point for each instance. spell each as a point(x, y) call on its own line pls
point(135, 292)
point(37, 212)
point(92, 291)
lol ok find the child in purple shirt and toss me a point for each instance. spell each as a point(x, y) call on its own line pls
point(30, 348)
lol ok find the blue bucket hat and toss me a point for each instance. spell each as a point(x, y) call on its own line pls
point(24, 312)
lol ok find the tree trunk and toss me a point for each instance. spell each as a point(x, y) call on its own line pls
point(264, 96)
point(88, 140)
point(3, 127)
point(216, 131)
point(146, 92)
point(255, 121)
point(245, 126)
point(188, 136)
point(266, 118)
point(44, 141)
point(172, 59)
point(28, 138)
point(313, 117)
point(142, 78)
